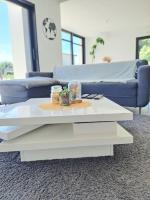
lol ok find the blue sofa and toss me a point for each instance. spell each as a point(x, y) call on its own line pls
point(127, 85)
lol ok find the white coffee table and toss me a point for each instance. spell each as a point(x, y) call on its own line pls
point(68, 132)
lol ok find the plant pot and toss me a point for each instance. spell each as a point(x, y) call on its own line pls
point(64, 100)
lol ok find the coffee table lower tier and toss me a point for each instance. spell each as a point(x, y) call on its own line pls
point(59, 142)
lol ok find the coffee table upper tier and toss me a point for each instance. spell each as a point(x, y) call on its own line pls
point(30, 113)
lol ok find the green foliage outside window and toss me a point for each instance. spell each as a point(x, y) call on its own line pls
point(6, 71)
point(145, 53)
point(144, 50)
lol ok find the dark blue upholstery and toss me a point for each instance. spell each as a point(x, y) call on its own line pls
point(14, 91)
point(140, 63)
point(134, 93)
point(122, 93)
point(20, 94)
point(143, 92)
point(111, 89)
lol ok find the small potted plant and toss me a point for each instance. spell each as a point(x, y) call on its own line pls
point(64, 97)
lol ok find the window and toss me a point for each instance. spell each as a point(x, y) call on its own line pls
point(73, 48)
point(18, 39)
point(143, 48)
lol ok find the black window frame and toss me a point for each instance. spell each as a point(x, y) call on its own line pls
point(71, 42)
point(137, 44)
point(32, 30)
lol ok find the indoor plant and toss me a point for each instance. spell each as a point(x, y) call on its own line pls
point(99, 41)
point(64, 97)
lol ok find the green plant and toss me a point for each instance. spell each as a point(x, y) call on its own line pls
point(99, 41)
point(64, 93)
point(6, 70)
point(145, 53)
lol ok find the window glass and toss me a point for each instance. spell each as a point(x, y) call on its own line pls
point(66, 53)
point(143, 48)
point(72, 48)
point(66, 36)
point(77, 40)
point(78, 56)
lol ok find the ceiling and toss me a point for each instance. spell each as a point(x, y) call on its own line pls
point(91, 17)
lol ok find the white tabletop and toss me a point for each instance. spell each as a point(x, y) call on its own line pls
point(30, 113)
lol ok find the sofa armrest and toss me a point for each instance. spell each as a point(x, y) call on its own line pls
point(140, 63)
point(143, 92)
point(39, 74)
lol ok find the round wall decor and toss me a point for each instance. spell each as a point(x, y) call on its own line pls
point(49, 29)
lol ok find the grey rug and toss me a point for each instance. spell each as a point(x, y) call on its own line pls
point(126, 176)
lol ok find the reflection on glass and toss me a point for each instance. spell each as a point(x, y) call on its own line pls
point(78, 55)
point(77, 40)
point(72, 48)
point(66, 53)
point(66, 36)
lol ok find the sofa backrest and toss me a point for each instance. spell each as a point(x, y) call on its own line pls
point(116, 71)
point(140, 63)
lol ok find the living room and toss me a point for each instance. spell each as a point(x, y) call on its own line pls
point(74, 113)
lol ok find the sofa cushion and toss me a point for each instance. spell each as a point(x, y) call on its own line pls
point(14, 91)
point(111, 89)
point(29, 82)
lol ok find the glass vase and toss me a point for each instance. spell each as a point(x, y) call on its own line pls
point(75, 90)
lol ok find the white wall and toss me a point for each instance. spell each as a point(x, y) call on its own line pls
point(49, 51)
point(119, 45)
